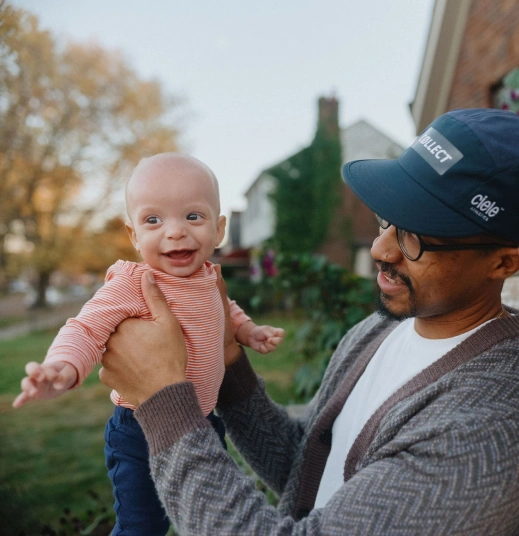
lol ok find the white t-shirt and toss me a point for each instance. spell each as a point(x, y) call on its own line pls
point(400, 357)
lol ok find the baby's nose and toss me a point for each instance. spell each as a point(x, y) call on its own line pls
point(175, 230)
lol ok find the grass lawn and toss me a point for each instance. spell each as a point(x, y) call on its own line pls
point(51, 453)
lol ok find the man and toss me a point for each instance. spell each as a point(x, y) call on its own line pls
point(415, 429)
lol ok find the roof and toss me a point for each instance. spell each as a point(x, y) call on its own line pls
point(360, 124)
point(355, 140)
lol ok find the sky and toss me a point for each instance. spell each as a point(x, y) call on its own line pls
point(248, 75)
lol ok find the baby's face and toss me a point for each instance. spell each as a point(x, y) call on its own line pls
point(174, 214)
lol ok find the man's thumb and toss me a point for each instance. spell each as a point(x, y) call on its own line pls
point(153, 297)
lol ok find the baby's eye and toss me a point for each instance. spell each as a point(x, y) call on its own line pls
point(193, 216)
point(153, 220)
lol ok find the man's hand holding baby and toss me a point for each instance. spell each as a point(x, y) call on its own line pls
point(144, 356)
point(47, 380)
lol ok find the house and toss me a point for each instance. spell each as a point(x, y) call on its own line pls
point(359, 140)
point(233, 259)
point(471, 60)
point(258, 220)
point(471, 51)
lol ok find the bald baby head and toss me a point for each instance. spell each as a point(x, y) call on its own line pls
point(166, 169)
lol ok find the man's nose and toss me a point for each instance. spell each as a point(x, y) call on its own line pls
point(385, 247)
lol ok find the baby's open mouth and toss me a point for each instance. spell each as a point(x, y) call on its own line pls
point(179, 253)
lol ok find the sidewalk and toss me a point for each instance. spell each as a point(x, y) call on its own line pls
point(37, 319)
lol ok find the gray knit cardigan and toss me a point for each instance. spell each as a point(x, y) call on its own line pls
point(440, 456)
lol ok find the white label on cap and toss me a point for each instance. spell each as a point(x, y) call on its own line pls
point(437, 150)
point(484, 207)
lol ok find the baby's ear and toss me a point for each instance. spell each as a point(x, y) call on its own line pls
point(220, 229)
point(133, 236)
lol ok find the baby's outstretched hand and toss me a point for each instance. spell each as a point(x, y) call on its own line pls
point(264, 339)
point(47, 380)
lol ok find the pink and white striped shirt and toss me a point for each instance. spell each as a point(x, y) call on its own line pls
point(194, 300)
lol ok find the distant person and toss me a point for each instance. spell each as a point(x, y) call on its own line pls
point(175, 223)
point(415, 428)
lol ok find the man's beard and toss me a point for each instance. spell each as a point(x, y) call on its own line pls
point(384, 299)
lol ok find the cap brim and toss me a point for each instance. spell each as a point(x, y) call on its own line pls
point(390, 192)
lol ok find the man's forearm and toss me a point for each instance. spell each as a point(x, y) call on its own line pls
point(261, 430)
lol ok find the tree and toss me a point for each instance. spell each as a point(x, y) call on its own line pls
point(74, 120)
point(93, 252)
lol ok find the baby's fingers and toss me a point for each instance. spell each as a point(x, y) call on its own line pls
point(20, 400)
point(269, 345)
point(35, 371)
point(29, 386)
point(271, 333)
point(28, 392)
point(274, 341)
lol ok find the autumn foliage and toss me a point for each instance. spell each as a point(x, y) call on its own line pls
point(74, 120)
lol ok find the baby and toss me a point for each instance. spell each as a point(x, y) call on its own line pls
point(174, 222)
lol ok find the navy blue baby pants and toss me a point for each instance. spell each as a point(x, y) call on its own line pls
point(136, 505)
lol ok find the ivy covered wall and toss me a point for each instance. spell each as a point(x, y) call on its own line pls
point(309, 187)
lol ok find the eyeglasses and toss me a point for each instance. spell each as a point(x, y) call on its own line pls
point(413, 246)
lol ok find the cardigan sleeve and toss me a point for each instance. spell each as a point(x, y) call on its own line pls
point(243, 403)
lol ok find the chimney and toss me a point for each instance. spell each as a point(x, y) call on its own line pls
point(328, 119)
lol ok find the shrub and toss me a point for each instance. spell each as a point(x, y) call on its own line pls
point(332, 300)
point(255, 297)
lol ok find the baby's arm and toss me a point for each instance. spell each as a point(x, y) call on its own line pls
point(46, 380)
point(79, 345)
point(81, 341)
point(263, 339)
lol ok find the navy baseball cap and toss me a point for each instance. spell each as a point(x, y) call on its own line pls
point(459, 178)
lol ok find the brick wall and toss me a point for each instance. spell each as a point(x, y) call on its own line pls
point(328, 115)
point(490, 49)
point(353, 226)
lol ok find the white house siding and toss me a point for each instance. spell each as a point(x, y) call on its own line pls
point(258, 219)
point(363, 264)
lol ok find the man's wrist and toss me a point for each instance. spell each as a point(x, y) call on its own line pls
point(169, 414)
point(151, 387)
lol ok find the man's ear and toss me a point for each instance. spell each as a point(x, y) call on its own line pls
point(133, 236)
point(220, 229)
point(506, 263)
